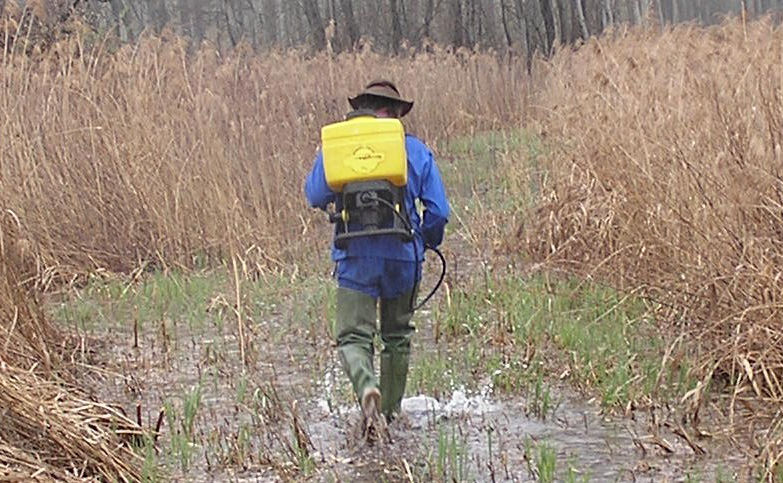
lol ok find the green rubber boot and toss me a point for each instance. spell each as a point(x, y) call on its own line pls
point(394, 375)
point(396, 332)
point(356, 327)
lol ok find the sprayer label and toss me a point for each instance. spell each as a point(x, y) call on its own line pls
point(363, 160)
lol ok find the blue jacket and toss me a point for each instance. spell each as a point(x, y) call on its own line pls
point(424, 184)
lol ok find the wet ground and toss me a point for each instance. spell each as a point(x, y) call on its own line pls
point(288, 415)
point(477, 438)
point(276, 406)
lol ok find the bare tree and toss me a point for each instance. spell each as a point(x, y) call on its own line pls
point(346, 7)
point(229, 21)
point(269, 16)
point(396, 34)
point(580, 16)
point(316, 23)
point(504, 20)
point(534, 25)
point(607, 18)
point(457, 33)
point(549, 25)
point(429, 14)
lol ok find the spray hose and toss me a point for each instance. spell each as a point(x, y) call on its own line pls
point(406, 222)
point(437, 285)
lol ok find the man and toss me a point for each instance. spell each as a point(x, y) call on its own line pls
point(383, 270)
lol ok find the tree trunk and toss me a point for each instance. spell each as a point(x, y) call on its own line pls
point(469, 24)
point(566, 21)
point(636, 14)
point(396, 36)
point(556, 21)
point(659, 8)
point(429, 14)
point(530, 46)
point(580, 16)
point(122, 18)
point(523, 19)
point(229, 24)
point(160, 15)
point(405, 24)
point(270, 16)
point(315, 22)
point(607, 18)
point(457, 34)
point(346, 6)
point(504, 20)
point(549, 25)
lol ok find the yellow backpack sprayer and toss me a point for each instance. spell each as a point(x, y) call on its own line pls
point(365, 163)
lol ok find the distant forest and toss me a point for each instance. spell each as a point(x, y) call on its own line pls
point(520, 26)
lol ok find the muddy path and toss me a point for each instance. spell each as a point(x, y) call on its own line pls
point(287, 414)
point(460, 436)
point(243, 382)
point(484, 435)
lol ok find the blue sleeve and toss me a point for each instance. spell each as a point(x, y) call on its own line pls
point(433, 196)
point(317, 191)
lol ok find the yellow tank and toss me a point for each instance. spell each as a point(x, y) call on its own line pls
point(364, 148)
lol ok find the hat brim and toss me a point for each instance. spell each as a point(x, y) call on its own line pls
point(405, 106)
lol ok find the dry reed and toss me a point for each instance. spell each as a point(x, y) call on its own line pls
point(154, 155)
point(115, 156)
point(665, 176)
point(50, 430)
point(25, 336)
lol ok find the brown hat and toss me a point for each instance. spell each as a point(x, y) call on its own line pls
point(385, 90)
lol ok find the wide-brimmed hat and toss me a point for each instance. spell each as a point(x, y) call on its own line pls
point(382, 89)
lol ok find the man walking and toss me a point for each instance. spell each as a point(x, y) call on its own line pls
point(382, 272)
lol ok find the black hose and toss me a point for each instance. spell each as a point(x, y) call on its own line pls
point(437, 285)
point(408, 227)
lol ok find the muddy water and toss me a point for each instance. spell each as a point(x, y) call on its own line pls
point(477, 438)
point(293, 379)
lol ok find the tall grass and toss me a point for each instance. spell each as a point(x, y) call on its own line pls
point(117, 156)
point(665, 176)
point(49, 427)
point(27, 339)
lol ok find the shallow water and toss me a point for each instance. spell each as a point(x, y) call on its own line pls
point(293, 379)
point(474, 437)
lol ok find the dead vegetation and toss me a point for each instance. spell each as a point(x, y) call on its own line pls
point(154, 154)
point(26, 336)
point(51, 430)
point(665, 177)
point(127, 158)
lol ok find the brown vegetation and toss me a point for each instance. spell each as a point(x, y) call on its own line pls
point(122, 158)
point(665, 176)
point(147, 155)
point(27, 337)
point(50, 428)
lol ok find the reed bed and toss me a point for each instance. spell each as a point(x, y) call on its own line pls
point(662, 177)
point(125, 158)
point(156, 154)
point(50, 429)
point(665, 178)
point(28, 340)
